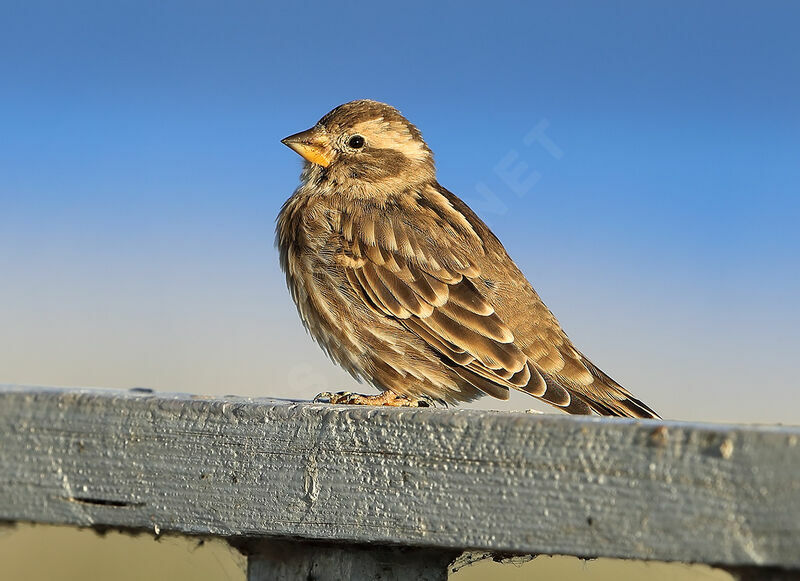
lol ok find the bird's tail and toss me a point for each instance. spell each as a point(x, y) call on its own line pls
point(606, 397)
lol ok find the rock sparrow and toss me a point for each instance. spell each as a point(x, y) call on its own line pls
point(405, 287)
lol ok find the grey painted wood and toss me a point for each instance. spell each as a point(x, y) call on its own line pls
point(291, 560)
point(434, 478)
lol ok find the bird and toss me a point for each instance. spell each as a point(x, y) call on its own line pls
point(406, 288)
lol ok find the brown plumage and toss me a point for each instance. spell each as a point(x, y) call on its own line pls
point(405, 287)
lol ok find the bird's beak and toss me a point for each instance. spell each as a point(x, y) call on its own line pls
point(313, 144)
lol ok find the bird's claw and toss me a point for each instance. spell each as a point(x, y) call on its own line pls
point(324, 397)
point(387, 398)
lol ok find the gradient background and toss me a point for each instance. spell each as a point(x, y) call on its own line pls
point(141, 173)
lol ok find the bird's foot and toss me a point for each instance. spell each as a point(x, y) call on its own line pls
point(388, 398)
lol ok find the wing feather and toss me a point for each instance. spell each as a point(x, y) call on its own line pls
point(467, 297)
point(404, 294)
point(443, 346)
point(491, 353)
point(490, 326)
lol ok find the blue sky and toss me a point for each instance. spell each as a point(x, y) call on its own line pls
point(141, 172)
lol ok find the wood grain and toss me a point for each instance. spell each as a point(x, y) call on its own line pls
point(448, 479)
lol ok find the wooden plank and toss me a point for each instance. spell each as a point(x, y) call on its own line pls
point(291, 560)
point(449, 479)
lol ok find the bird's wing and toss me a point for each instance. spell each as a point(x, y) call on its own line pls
point(425, 273)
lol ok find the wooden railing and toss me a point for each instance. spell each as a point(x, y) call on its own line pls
point(338, 492)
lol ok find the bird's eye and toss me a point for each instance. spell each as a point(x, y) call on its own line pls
point(356, 142)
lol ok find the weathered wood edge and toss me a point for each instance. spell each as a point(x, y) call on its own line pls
point(452, 479)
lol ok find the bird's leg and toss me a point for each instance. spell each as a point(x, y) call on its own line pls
point(388, 398)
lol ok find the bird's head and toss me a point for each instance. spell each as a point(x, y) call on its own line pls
point(365, 143)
